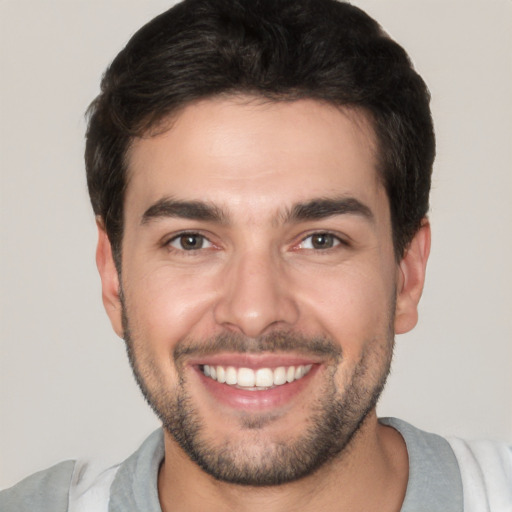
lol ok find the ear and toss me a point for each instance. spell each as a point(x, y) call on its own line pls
point(411, 277)
point(109, 279)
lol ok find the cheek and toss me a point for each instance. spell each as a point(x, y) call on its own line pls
point(355, 309)
point(352, 305)
point(165, 305)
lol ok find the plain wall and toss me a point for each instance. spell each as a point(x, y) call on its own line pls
point(66, 390)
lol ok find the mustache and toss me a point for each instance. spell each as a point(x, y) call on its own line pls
point(273, 342)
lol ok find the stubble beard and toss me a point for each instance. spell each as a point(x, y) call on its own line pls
point(333, 421)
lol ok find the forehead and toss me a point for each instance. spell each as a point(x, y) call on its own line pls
point(242, 152)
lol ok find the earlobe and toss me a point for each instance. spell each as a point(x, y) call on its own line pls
point(109, 279)
point(411, 278)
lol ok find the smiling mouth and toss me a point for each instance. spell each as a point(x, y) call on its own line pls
point(255, 380)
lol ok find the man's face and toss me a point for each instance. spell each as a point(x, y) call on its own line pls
point(258, 283)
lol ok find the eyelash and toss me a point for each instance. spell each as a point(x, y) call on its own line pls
point(336, 241)
point(189, 234)
point(332, 239)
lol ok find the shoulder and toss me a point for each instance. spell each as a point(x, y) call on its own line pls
point(70, 486)
point(474, 476)
point(486, 472)
point(434, 475)
point(83, 485)
point(45, 491)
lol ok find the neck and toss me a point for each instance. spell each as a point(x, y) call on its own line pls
point(370, 474)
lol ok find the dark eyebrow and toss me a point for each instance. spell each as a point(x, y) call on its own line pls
point(193, 210)
point(315, 209)
point(322, 208)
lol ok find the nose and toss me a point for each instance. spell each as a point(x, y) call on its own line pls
point(255, 296)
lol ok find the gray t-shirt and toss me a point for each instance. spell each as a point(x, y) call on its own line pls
point(434, 479)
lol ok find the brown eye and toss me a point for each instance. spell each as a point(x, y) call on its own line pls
point(319, 241)
point(189, 242)
point(322, 241)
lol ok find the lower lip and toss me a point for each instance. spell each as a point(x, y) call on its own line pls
point(256, 400)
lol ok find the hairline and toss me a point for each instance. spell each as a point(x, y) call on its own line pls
point(360, 116)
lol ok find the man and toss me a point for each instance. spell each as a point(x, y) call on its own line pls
point(260, 175)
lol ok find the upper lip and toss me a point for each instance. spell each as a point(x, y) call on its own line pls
point(254, 361)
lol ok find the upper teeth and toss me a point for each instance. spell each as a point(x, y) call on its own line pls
point(260, 378)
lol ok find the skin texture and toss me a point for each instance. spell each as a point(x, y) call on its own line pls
point(258, 285)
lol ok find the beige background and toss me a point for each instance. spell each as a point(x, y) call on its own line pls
point(65, 386)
